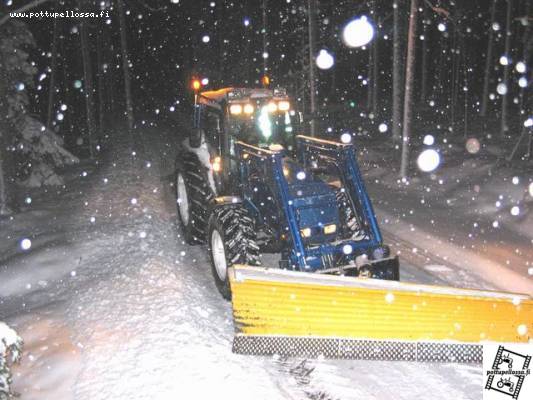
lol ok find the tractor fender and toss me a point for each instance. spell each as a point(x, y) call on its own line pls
point(223, 201)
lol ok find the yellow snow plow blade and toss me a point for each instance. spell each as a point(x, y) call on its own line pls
point(304, 314)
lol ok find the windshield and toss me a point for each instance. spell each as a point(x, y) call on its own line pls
point(264, 126)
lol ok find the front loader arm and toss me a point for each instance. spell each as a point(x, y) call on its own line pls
point(343, 156)
point(269, 163)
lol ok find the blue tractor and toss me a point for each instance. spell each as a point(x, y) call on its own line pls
point(247, 184)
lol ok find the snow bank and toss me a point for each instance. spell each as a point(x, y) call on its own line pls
point(10, 352)
point(46, 152)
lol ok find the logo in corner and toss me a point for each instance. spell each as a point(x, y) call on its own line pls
point(506, 377)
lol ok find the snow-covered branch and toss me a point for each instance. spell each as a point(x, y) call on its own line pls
point(10, 353)
point(27, 7)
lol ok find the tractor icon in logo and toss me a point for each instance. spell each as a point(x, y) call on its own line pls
point(507, 383)
point(506, 359)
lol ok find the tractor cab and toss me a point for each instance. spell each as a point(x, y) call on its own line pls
point(261, 117)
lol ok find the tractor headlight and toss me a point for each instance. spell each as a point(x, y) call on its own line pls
point(235, 109)
point(329, 229)
point(283, 105)
point(306, 232)
point(248, 109)
point(217, 164)
point(272, 107)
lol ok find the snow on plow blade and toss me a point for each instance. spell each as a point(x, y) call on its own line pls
point(303, 314)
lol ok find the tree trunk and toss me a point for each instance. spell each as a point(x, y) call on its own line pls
point(526, 41)
point(125, 64)
point(4, 209)
point(488, 61)
point(311, 19)
point(88, 81)
point(397, 67)
point(265, 36)
point(375, 74)
point(370, 79)
point(111, 74)
point(525, 132)
point(508, 32)
point(466, 63)
point(53, 67)
point(101, 88)
point(425, 51)
point(409, 82)
point(455, 77)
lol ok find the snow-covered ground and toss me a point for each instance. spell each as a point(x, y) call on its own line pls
point(113, 305)
point(473, 214)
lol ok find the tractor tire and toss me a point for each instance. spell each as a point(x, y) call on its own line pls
point(232, 240)
point(194, 197)
point(349, 226)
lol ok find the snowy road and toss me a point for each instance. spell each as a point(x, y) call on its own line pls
point(113, 305)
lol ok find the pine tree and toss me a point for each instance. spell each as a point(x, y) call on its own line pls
point(29, 152)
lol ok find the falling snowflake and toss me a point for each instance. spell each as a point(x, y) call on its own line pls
point(504, 60)
point(501, 88)
point(521, 329)
point(25, 244)
point(472, 145)
point(347, 249)
point(429, 140)
point(324, 59)
point(346, 138)
point(358, 32)
point(428, 160)
point(520, 67)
